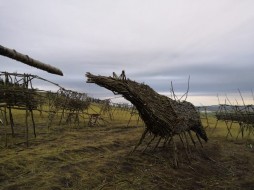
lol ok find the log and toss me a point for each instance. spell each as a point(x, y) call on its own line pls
point(13, 54)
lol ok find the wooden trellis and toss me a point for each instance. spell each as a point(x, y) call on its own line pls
point(3, 120)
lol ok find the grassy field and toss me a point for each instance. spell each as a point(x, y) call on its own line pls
point(69, 157)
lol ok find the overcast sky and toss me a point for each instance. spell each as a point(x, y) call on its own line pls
point(154, 41)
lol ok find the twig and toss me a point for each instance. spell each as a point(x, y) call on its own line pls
point(186, 93)
point(172, 91)
point(241, 96)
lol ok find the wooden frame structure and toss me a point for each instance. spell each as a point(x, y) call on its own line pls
point(16, 91)
point(241, 115)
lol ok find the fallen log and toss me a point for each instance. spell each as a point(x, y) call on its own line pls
point(13, 54)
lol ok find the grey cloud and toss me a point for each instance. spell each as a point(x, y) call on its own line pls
point(154, 42)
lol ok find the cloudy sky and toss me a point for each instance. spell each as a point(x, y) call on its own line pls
point(154, 41)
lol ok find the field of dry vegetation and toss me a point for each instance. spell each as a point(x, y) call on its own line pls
point(83, 157)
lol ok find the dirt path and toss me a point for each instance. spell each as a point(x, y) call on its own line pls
point(98, 158)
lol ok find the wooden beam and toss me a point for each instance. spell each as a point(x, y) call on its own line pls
point(13, 54)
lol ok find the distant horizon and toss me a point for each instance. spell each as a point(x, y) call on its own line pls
point(200, 100)
point(196, 98)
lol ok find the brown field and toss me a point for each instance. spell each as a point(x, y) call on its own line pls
point(98, 158)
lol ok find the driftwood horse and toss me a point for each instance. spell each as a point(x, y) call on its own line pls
point(163, 116)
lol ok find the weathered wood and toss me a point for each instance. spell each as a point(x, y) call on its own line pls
point(162, 115)
point(13, 54)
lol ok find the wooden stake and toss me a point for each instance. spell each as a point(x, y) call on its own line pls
point(229, 128)
point(149, 143)
point(11, 121)
point(140, 140)
point(5, 126)
point(185, 149)
point(32, 116)
point(189, 132)
point(27, 127)
point(199, 140)
point(157, 143)
point(187, 142)
point(175, 154)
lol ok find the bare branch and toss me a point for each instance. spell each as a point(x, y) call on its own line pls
point(173, 92)
point(228, 100)
point(186, 93)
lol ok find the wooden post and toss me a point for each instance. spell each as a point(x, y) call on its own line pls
point(12, 122)
point(32, 117)
point(5, 128)
point(27, 127)
point(4, 121)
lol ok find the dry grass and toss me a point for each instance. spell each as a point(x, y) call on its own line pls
point(98, 158)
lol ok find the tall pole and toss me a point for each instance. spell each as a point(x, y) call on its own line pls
point(13, 54)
